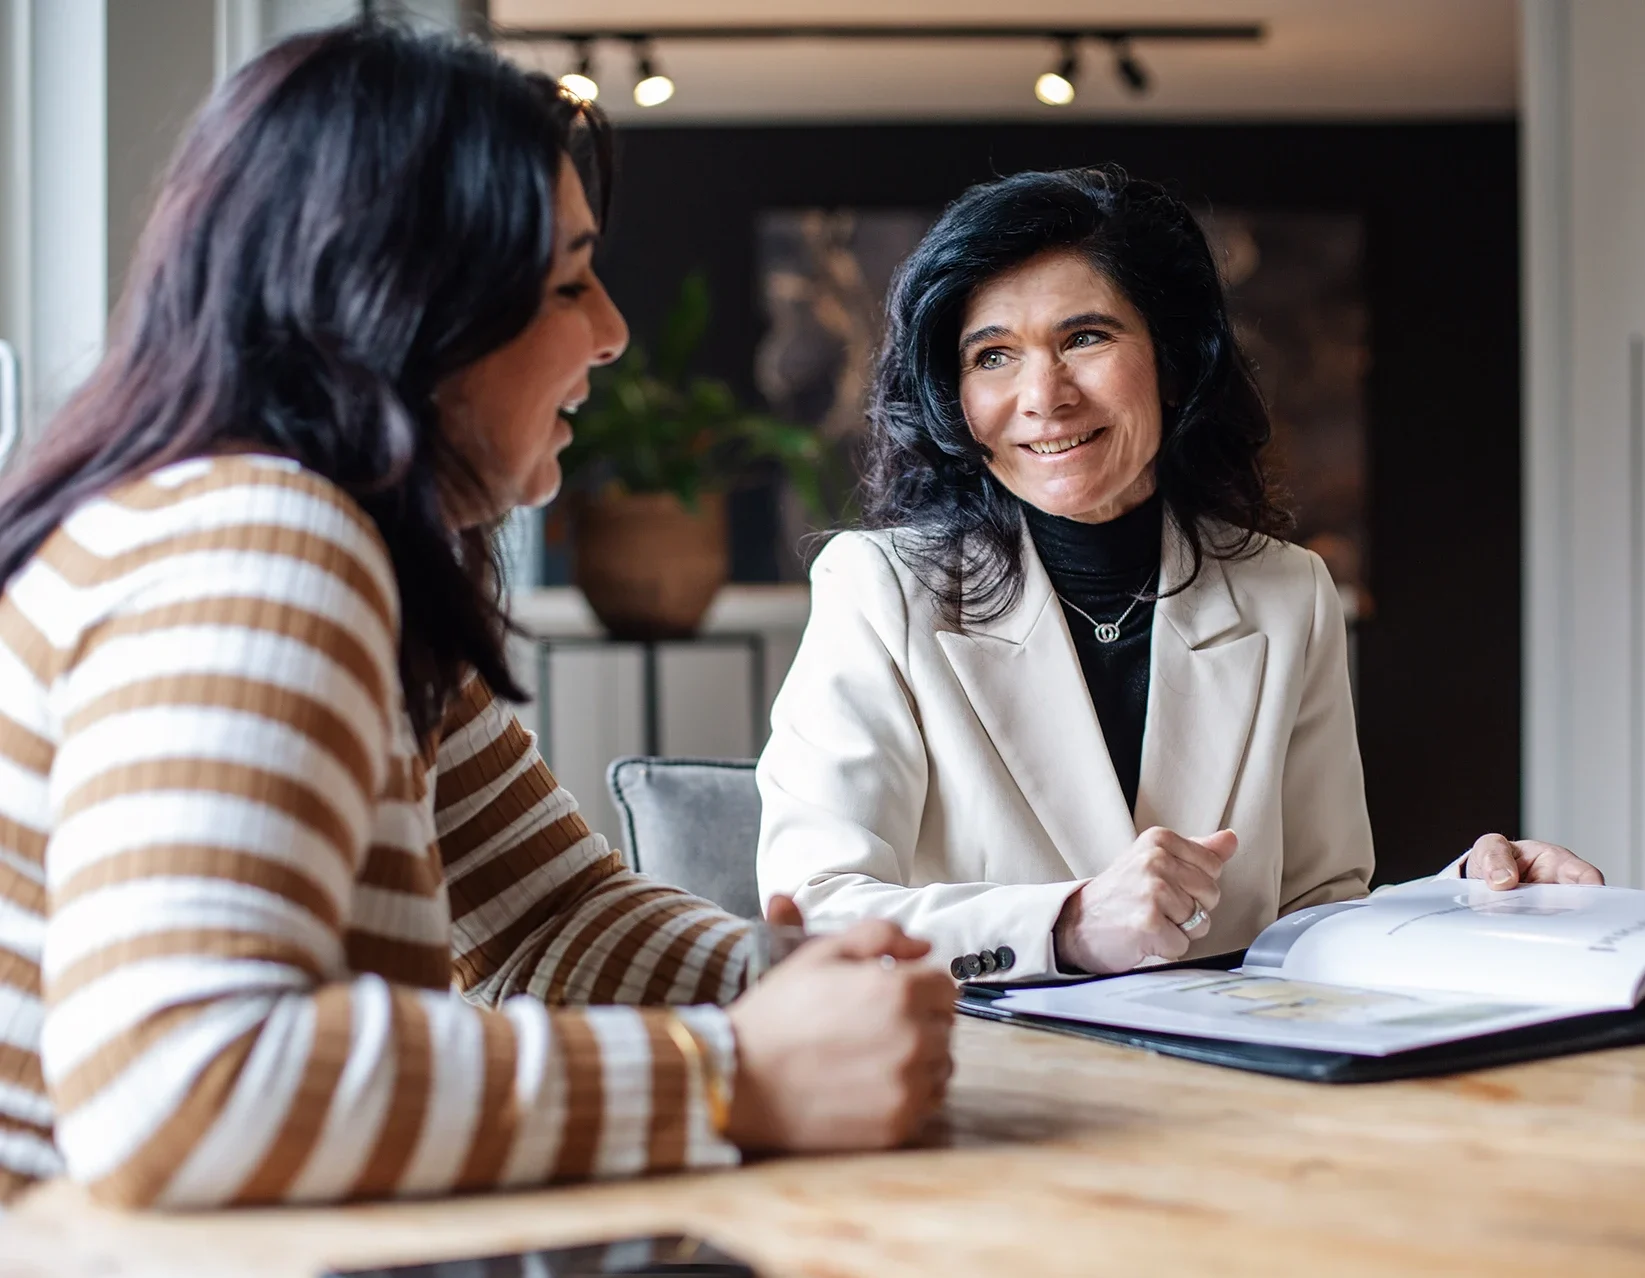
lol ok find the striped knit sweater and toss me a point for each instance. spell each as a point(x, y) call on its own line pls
point(254, 944)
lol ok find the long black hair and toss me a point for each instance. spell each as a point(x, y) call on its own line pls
point(355, 215)
point(928, 476)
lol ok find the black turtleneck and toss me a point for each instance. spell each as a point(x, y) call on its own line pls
point(1102, 568)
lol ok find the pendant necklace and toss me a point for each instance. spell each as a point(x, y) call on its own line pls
point(1109, 631)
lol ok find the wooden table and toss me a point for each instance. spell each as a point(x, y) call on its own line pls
point(1057, 1156)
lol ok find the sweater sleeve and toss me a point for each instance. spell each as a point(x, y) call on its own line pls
point(227, 717)
point(542, 906)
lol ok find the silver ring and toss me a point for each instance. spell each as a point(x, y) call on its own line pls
point(1195, 919)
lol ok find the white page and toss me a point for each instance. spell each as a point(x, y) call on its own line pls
point(1283, 1013)
point(1582, 948)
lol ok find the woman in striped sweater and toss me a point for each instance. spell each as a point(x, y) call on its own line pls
point(290, 908)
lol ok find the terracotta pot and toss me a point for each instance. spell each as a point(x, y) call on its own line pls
point(650, 567)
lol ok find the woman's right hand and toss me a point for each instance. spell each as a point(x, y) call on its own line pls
point(1134, 909)
point(844, 1045)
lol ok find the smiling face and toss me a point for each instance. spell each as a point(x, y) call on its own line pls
point(507, 413)
point(1057, 381)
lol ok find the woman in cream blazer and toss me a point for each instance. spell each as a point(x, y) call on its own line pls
point(959, 783)
point(1059, 361)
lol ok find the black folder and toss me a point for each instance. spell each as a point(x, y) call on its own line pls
point(1532, 1042)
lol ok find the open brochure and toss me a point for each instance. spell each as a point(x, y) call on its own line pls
point(1435, 961)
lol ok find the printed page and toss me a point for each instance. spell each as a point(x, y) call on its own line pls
point(1278, 1012)
point(1581, 948)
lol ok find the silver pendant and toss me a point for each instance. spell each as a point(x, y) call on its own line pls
point(1107, 631)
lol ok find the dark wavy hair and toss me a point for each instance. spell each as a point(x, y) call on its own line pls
point(356, 215)
point(927, 475)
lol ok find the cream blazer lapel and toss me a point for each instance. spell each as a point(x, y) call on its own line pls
point(1202, 697)
point(1022, 676)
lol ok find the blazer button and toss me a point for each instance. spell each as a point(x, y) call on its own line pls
point(973, 965)
point(956, 969)
point(986, 958)
point(1005, 958)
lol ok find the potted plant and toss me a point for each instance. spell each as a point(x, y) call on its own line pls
point(655, 452)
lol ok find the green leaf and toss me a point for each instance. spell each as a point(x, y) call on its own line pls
point(683, 329)
point(652, 428)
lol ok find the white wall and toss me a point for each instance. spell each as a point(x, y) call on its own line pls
point(272, 20)
point(53, 202)
point(244, 27)
point(14, 168)
point(161, 68)
point(92, 99)
point(1584, 308)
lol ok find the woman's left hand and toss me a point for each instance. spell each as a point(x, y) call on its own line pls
point(1503, 864)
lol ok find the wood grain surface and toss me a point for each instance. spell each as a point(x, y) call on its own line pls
point(1056, 1156)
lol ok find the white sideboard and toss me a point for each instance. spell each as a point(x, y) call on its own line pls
point(595, 703)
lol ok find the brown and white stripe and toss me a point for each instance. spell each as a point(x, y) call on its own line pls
point(254, 946)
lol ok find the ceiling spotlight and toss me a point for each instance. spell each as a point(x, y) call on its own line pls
point(580, 83)
point(1133, 75)
point(653, 89)
point(650, 87)
point(1056, 88)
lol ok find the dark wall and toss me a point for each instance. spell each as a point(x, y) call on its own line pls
point(1439, 663)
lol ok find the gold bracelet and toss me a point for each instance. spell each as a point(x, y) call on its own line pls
point(714, 1084)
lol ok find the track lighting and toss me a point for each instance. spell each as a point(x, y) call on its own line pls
point(1056, 88)
point(651, 87)
point(1133, 75)
point(580, 83)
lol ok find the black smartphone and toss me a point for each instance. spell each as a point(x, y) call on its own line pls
point(670, 1254)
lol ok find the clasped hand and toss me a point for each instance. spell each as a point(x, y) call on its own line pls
point(1135, 909)
point(845, 1045)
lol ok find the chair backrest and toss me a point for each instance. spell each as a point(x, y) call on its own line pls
point(694, 823)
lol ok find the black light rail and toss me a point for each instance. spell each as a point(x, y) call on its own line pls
point(1108, 33)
